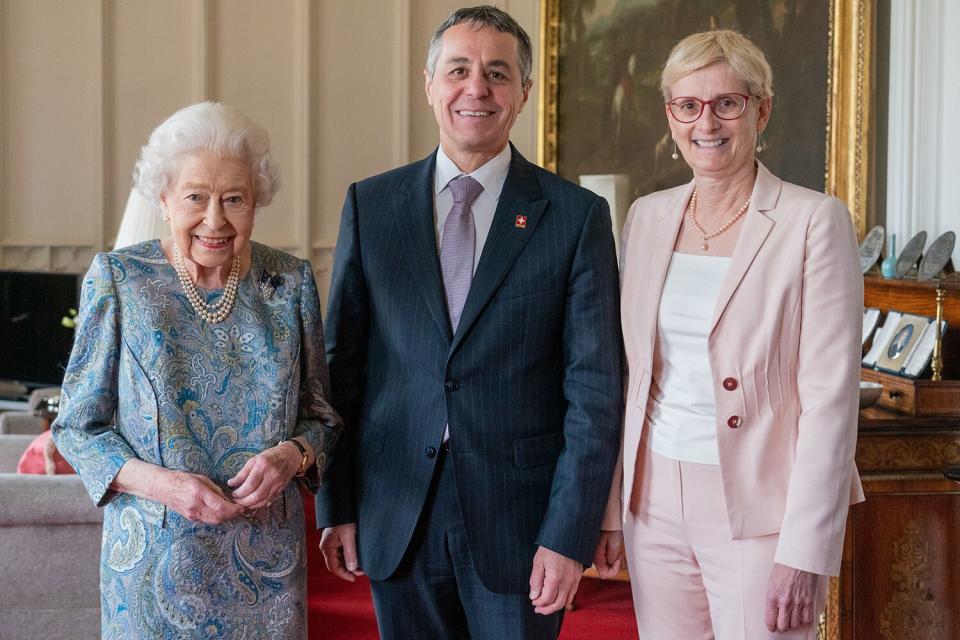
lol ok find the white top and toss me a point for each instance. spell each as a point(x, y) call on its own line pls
point(491, 177)
point(681, 409)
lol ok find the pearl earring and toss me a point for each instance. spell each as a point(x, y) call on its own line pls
point(675, 155)
point(759, 141)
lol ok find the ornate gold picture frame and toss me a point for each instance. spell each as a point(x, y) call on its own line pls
point(850, 130)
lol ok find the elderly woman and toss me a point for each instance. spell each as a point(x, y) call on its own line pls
point(741, 308)
point(194, 404)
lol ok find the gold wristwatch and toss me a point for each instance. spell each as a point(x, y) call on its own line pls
point(303, 452)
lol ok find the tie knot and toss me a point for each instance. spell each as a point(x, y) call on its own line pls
point(465, 190)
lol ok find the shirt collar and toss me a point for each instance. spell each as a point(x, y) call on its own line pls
point(491, 175)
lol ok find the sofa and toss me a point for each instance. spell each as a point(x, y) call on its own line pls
point(50, 536)
point(26, 422)
point(21, 423)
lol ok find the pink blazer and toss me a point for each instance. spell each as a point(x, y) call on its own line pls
point(784, 349)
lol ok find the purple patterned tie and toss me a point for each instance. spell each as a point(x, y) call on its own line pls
point(458, 246)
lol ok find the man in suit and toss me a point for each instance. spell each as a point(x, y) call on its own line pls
point(474, 345)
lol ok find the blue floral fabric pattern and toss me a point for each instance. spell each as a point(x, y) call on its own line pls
point(148, 379)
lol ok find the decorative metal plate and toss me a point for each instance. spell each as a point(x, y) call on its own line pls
point(870, 248)
point(937, 256)
point(911, 253)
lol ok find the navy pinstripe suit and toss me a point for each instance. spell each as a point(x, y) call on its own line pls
point(530, 384)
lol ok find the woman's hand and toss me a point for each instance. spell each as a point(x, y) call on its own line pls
point(197, 498)
point(790, 598)
point(264, 477)
point(193, 496)
point(607, 557)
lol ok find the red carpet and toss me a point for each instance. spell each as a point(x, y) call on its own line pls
point(342, 611)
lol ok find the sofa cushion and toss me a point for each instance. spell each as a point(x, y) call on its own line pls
point(28, 500)
point(32, 460)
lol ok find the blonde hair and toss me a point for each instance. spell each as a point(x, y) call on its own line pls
point(721, 45)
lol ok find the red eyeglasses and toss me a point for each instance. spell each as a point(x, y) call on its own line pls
point(728, 106)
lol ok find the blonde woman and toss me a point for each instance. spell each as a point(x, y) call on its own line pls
point(741, 307)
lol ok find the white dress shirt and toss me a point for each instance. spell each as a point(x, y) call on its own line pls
point(491, 177)
point(681, 409)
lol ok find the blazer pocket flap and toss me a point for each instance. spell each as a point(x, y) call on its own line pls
point(528, 286)
point(537, 451)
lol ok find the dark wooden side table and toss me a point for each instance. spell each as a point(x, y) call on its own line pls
point(900, 577)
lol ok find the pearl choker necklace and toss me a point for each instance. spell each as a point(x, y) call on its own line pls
point(704, 236)
point(219, 310)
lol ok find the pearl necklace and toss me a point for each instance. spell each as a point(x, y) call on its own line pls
point(704, 236)
point(218, 311)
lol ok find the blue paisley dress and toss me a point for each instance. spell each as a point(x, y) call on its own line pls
point(148, 379)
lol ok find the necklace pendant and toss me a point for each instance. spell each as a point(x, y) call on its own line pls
point(704, 246)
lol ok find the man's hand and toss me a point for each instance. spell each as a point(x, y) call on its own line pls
point(790, 598)
point(339, 548)
point(607, 557)
point(553, 581)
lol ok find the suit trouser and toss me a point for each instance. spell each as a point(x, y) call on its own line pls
point(436, 592)
point(691, 580)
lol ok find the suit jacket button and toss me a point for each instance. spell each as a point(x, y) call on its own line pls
point(430, 452)
point(729, 384)
point(734, 421)
point(451, 385)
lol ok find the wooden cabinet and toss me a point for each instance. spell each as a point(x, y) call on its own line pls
point(900, 578)
point(901, 569)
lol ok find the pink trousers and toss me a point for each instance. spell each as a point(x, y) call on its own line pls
point(691, 580)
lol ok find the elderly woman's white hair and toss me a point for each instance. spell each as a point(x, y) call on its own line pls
point(719, 45)
point(210, 126)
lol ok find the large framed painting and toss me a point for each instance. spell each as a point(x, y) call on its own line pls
point(601, 111)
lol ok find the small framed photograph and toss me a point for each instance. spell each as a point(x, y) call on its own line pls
point(881, 337)
point(920, 358)
point(904, 339)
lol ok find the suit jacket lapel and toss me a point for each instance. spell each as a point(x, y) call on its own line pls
point(659, 246)
point(756, 227)
point(413, 208)
point(520, 196)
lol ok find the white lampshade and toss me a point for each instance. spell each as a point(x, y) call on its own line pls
point(141, 221)
point(615, 188)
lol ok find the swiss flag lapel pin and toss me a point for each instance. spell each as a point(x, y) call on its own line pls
point(521, 222)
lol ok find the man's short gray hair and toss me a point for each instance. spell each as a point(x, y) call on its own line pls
point(480, 17)
point(206, 126)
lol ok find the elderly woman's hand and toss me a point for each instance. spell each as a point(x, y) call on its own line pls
point(193, 496)
point(197, 498)
point(264, 477)
point(790, 598)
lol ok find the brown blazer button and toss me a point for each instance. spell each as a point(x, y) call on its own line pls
point(734, 421)
point(729, 384)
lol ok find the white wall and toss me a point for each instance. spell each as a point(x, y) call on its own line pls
point(337, 83)
point(923, 164)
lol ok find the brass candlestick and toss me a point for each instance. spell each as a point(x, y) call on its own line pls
point(936, 363)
